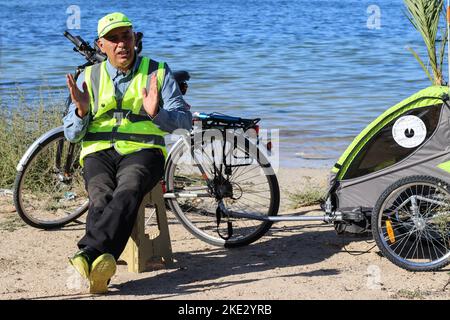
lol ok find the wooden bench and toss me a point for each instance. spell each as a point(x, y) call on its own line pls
point(144, 248)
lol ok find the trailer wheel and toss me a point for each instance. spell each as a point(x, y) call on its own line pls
point(411, 223)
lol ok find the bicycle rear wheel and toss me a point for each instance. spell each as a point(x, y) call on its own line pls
point(249, 187)
point(49, 190)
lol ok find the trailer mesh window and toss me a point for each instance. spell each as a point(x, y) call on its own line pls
point(383, 151)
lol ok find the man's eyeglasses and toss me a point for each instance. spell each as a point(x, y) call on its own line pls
point(124, 37)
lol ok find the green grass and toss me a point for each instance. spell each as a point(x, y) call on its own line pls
point(309, 196)
point(20, 125)
point(409, 294)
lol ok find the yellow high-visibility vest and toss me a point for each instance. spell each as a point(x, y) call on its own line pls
point(122, 124)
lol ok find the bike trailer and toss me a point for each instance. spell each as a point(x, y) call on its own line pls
point(409, 139)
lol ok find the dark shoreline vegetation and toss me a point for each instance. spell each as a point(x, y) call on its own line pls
point(21, 123)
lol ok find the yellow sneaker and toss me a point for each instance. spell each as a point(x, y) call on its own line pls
point(103, 268)
point(80, 262)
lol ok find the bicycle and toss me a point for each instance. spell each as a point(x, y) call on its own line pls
point(214, 168)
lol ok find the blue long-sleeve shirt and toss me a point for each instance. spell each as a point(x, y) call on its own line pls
point(173, 110)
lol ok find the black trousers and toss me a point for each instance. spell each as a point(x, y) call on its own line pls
point(116, 185)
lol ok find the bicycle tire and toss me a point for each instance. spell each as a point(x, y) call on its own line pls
point(397, 229)
point(207, 231)
point(48, 196)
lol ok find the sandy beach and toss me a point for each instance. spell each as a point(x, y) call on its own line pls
point(292, 261)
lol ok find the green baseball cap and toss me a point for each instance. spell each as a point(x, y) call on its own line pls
point(112, 21)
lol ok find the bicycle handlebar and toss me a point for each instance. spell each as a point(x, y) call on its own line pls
point(81, 46)
point(77, 41)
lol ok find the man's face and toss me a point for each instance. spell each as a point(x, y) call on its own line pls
point(118, 45)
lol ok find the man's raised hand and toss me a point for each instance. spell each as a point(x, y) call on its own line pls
point(79, 98)
point(150, 99)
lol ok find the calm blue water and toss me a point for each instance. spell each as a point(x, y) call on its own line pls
point(312, 69)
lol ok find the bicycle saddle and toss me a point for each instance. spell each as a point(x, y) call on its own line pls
point(181, 76)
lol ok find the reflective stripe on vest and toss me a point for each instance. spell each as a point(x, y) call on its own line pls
point(123, 124)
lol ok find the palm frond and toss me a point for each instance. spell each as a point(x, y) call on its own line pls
point(444, 39)
point(421, 63)
point(425, 15)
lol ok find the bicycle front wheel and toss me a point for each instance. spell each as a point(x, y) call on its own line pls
point(49, 190)
point(196, 174)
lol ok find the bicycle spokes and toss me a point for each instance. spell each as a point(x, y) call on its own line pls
point(51, 188)
point(214, 172)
